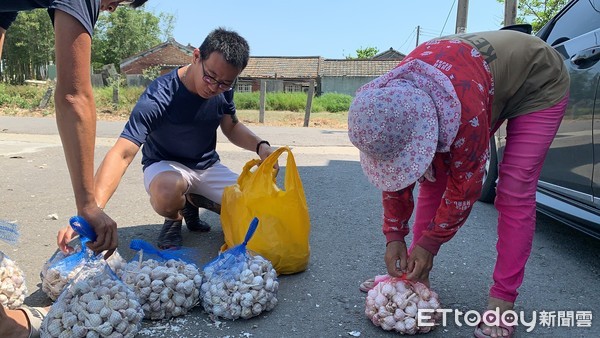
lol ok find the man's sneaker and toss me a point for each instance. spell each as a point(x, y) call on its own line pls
point(192, 219)
point(170, 235)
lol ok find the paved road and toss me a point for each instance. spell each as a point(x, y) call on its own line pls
point(346, 240)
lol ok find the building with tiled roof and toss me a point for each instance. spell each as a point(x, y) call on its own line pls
point(390, 54)
point(278, 73)
point(346, 76)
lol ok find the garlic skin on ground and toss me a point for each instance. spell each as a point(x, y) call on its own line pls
point(393, 305)
point(94, 304)
point(54, 279)
point(166, 289)
point(241, 290)
point(12, 283)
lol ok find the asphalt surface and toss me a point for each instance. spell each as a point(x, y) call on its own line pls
point(347, 245)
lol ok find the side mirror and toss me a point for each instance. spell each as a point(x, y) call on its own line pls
point(522, 27)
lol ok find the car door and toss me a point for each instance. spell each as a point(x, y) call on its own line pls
point(596, 137)
point(569, 166)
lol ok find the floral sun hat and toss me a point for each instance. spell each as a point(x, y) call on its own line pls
point(400, 120)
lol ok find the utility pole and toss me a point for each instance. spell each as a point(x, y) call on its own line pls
point(418, 33)
point(461, 16)
point(510, 12)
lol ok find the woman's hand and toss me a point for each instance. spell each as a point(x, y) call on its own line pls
point(420, 263)
point(396, 258)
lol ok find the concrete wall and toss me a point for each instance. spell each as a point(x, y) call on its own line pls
point(343, 84)
point(137, 80)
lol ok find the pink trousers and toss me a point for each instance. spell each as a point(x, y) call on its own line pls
point(528, 139)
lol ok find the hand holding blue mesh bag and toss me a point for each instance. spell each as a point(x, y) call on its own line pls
point(166, 281)
point(13, 288)
point(62, 267)
point(239, 283)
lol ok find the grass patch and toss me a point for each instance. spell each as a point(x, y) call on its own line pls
point(282, 109)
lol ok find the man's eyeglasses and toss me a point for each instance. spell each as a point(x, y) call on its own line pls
point(212, 81)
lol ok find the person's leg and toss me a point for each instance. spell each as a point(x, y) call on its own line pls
point(206, 191)
point(167, 183)
point(528, 140)
point(211, 183)
point(13, 323)
point(22, 322)
point(191, 216)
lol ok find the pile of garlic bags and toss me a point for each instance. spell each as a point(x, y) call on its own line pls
point(166, 289)
point(12, 283)
point(243, 287)
point(393, 304)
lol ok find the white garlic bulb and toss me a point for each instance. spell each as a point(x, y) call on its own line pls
point(55, 276)
point(12, 283)
point(241, 286)
point(166, 288)
point(95, 304)
point(393, 304)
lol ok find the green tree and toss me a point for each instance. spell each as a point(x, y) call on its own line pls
point(29, 47)
point(124, 33)
point(151, 73)
point(167, 25)
point(537, 12)
point(364, 53)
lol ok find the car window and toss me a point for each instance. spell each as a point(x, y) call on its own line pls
point(581, 18)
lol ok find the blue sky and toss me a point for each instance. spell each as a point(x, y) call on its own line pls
point(328, 28)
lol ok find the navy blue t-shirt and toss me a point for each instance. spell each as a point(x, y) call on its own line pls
point(176, 125)
point(85, 11)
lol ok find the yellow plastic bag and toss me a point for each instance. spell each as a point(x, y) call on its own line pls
point(283, 234)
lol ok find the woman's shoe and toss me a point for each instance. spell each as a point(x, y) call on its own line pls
point(479, 331)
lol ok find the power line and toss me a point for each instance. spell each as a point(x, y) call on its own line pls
point(411, 34)
point(445, 22)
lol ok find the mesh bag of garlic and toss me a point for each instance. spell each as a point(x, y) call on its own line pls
point(239, 283)
point(167, 283)
point(95, 303)
point(62, 267)
point(12, 283)
point(12, 280)
point(394, 303)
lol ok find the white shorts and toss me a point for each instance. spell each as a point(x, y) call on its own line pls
point(209, 183)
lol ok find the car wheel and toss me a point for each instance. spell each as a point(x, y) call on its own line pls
point(488, 190)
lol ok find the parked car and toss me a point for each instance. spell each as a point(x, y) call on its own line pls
point(569, 186)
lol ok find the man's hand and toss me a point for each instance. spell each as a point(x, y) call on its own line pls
point(264, 151)
point(396, 258)
point(420, 263)
point(105, 229)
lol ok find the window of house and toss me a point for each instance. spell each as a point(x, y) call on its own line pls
point(243, 87)
point(292, 88)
